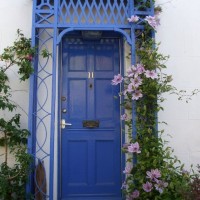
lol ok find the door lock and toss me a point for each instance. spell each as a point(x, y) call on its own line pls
point(63, 124)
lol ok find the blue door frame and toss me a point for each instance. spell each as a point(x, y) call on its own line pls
point(51, 21)
point(86, 132)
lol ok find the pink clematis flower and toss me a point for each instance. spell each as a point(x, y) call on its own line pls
point(153, 21)
point(117, 79)
point(134, 148)
point(160, 186)
point(131, 71)
point(151, 74)
point(127, 169)
point(147, 187)
point(136, 82)
point(154, 174)
point(133, 18)
point(130, 88)
point(137, 95)
point(124, 117)
point(135, 194)
point(140, 68)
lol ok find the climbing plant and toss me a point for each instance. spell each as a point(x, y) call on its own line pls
point(151, 171)
point(13, 138)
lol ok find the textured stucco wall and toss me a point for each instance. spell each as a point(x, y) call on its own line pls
point(179, 35)
point(16, 14)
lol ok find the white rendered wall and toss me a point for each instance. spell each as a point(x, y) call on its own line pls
point(179, 34)
point(16, 14)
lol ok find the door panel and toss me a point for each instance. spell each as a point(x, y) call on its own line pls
point(78, 99)
point(73, 166)
point(77, 58)
point(104, 57)
point(103, 90)
point(90, 157)
point(104, 153)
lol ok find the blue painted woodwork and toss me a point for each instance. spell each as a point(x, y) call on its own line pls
point(52, 19)
point(90, 157)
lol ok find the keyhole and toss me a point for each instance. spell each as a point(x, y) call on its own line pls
point(90, 86)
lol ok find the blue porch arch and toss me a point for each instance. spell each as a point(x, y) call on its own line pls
point(51, 21)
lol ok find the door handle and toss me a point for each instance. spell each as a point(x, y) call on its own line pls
point(90, 74)
point(63, 124)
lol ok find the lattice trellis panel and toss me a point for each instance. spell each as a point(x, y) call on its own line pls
point(99, 12)
point(93, 13)
point(42, 115)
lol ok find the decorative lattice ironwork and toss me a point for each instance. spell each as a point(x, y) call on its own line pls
point(42, 114)
point(43, 111)
point(44, 12)
point(91, 12)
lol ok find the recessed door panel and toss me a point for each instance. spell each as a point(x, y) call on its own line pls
point(77, 58)
point(77, 99)
point(104, 57)
point(104, 102)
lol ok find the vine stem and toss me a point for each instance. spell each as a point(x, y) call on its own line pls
point(6, 149)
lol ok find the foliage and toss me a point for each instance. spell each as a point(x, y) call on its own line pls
point(13, 139)
point(151, 171)
point(194, 192)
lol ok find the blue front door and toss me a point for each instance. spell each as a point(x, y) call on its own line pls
point(90, 147)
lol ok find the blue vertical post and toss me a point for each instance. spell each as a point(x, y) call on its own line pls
point(153, 36)
point(152, 14)
point(131, 7)
point(32, 104)
point(53, 101)
point(133, 59)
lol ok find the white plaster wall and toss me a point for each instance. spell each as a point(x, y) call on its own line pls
point(16, 14)
point(179, 35)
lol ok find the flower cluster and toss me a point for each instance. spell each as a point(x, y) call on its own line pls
point(134, 79)
point(154, 181)
point(152, 21)
point(131, 148)
point(153, 177)
point(150, 168)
